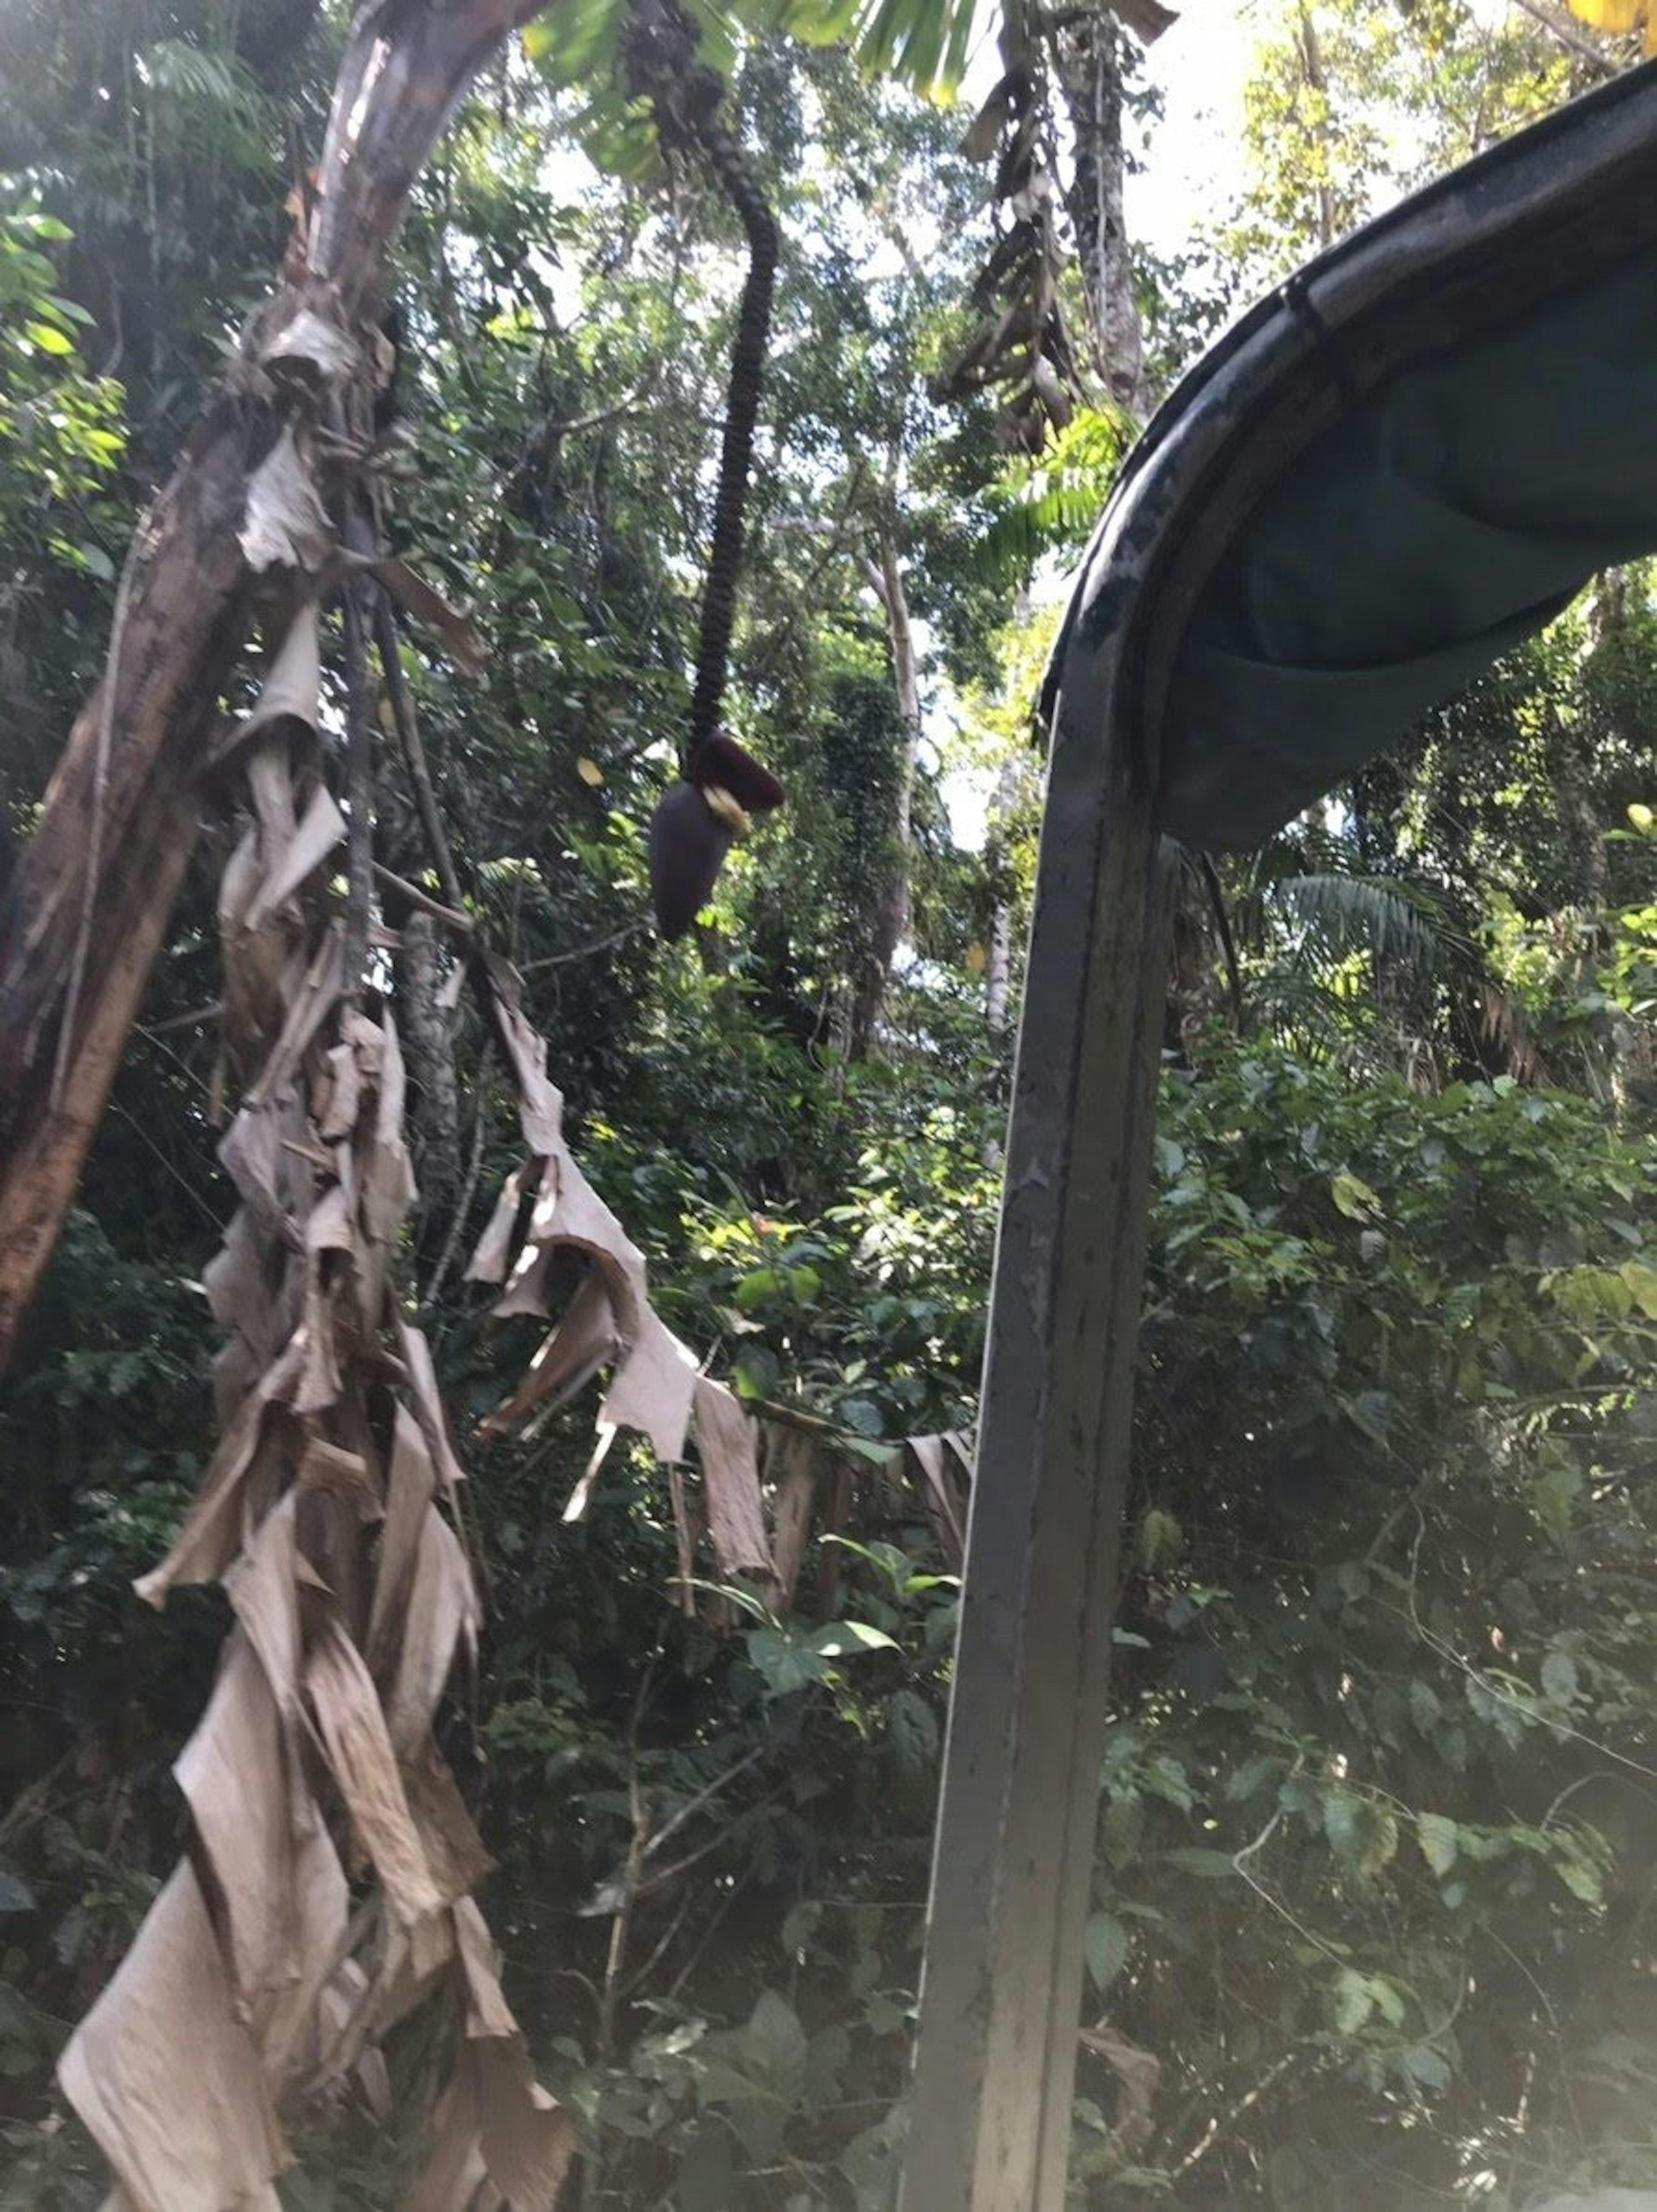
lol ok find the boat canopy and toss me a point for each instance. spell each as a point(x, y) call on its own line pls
point(1399, 465)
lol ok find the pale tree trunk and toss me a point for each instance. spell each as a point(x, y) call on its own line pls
point(997, 973)
point(891, 921)
point(1312, 69)
point(998, 978)
point(997, 983)
point(89, 903)
point(1089, 50)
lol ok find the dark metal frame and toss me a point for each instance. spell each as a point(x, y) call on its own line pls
point(1001, 1994)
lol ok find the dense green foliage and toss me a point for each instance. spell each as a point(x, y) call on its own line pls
point(1375, 1858)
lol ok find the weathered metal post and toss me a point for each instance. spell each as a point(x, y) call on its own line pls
point(990, 2129)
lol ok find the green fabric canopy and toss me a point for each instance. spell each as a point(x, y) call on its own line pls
point(1410, 458)
point(1446, 521)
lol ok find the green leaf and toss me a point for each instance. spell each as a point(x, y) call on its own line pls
point(865, 1447)
point(756, 2074)
point(1210, 1866)
point(1424, 2064)
point(1559, 1678)
point(1439, 1840)
point(1343, 1815)
point(1106, 1945)
point(1354, 2000)
point(1380, 1839)
point(1425, 1709)
point(783, 1663)
point(912, 1735)
point(1389, 1999)
point(1252, 1775)
point(48, 339)
point(15, 1895)
point(1161, 1539)
point(1581, 1876)
point(841, 1640)
point(755, 1288)
point(1353, 1197)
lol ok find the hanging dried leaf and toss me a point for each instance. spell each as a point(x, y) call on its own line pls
point(167, 2079)
point(456, 630)
point(944, 1489)
point(286, 525)
point(654, 1387)
point(583, 1340)
point(791, 1467)
point(321, 828)
point(727, 1444)
point(354, 1735)
point(443, 1616)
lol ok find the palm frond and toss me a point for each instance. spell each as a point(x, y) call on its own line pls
point(1350, 912)
point(215, 96)
point(1051, 505)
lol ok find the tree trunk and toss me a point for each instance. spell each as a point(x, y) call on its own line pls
point(434, 1106)
point(1090, 60)
point(1312, 69)
point(891, 921)
point(998, 978)
point(90, 901)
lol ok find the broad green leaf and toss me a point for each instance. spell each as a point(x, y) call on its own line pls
point(1559, 1678)
point(912, 1735)
point(755, 2074)
point(783, 1663)
point(1107, 1944)
point(1353, 1197)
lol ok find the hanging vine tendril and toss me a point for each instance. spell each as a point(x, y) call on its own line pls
point(686, 97)
point(723, 785)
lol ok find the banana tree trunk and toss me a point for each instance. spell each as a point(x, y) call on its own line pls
point(90, 901)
